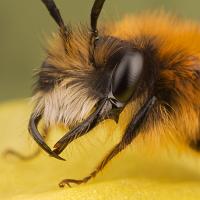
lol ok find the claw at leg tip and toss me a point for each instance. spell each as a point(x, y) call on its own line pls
point(57, 156)
point(62, 184)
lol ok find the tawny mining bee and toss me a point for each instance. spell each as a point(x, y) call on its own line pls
point(92, 74)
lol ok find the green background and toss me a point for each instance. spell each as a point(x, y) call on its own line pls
point(23, 24)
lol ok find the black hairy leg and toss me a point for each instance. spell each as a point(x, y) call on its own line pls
point(195, 145)
point(80, 130)
point(131, 132)
point(20, 156)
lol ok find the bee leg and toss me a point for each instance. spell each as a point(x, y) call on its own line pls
point(20, 156)
point(30, 156)
point(79, 130)
point(131, 132)
point(195, 145)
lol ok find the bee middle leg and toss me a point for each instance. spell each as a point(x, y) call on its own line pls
point(119, 147)
point(130, 133)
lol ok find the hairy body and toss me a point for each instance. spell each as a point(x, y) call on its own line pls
point(69, 87)
point(146, 67)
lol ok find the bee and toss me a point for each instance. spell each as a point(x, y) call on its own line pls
point(147, 66)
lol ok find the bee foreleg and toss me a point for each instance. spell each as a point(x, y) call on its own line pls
point(79, 130)
point(130, 133)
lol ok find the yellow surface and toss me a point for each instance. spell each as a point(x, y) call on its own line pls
point(131, 175)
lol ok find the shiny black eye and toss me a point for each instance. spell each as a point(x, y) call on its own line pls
point(126, 76)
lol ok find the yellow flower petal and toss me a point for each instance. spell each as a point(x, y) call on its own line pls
point(131, 175)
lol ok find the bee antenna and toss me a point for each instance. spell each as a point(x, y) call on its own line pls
point(55, 13)
point(96, 10)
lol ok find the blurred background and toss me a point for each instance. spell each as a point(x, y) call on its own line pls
point(24, 23)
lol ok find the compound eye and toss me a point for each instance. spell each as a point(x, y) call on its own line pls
point(126, 76)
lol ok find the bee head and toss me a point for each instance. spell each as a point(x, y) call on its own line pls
point(83, 67)
point(87, 74)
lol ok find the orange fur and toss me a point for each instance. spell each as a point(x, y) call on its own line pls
point(171, 35)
